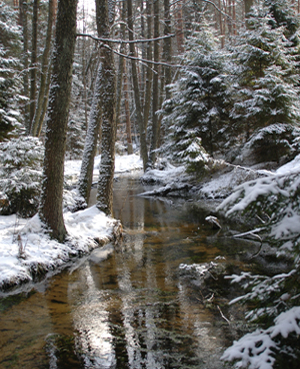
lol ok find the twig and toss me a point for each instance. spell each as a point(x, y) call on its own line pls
point(223, 316)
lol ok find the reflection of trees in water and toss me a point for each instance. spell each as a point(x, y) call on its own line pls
point(132, 313)
point(91, 320)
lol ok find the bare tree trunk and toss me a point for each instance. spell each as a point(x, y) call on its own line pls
point(155, 94)
point(108, 103)
point(127, 113)
point(91, 140)
point(167, 48)
point(143, 142)
point(55, 145)
point(234, 17)
point(222, 26)
point(149, 77)
point(248, 5)
point(229, 18)
point(121, 63)
point(24, 24)
point(33, 65)
point(44, 72)
point(179, 27)
point(45, 100)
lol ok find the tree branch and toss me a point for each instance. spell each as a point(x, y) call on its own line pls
point(115, 41)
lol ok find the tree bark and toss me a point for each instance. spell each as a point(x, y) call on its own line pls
point(44, 72)
point(45, 100)
point(127, 113)
point(33, 65)
point(155, 94)
point(50, 211)
point(179, 27)
point(248, 5)
point(136, 89)
point(90, 147)
point(108, 103)
point(167, 48)
point(149, 77)
point(121, 63)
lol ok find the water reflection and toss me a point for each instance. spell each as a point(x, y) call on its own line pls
point(132, 310)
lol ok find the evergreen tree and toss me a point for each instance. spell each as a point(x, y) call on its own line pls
point(266, 92)
point(200, 105)
point(10, 49)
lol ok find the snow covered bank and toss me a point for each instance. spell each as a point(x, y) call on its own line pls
point(27, 252)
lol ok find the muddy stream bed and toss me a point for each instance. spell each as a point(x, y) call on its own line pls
point(134, 307)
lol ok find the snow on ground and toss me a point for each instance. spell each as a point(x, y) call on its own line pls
point(41, 253)
point(123, 164)
point(25, 250)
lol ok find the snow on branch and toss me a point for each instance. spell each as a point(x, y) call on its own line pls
point(257, 350)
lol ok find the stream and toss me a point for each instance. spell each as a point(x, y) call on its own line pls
point(131, 307)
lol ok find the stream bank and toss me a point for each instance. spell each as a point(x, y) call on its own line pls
point(145, 305)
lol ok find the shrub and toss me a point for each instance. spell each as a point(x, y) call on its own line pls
point(20, 176)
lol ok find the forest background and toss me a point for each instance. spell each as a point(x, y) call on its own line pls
point(200, 83)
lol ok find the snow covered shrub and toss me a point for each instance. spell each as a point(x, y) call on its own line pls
point(20, 175)
point(277, 142)
point(274, 298)
point(10, 51)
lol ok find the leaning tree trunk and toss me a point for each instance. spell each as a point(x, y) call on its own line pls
point(51, 212)
point(44, 72)
point(108, 103)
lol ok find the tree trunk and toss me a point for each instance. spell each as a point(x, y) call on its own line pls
point(167, 48)
point(136, 89)
point(222, 26)
point(45, 100)
point(179, 27)
point(234, 17)
point(248, 5)
point(127, 113)
point(155, 94)
point(33, 65)
point(91, 140)
point(121, 63)
point(149, 77)
point(108, 103)
point(44, 72)
point(24, 24)
point(55, 145)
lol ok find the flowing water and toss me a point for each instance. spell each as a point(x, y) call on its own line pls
point(133, 309)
